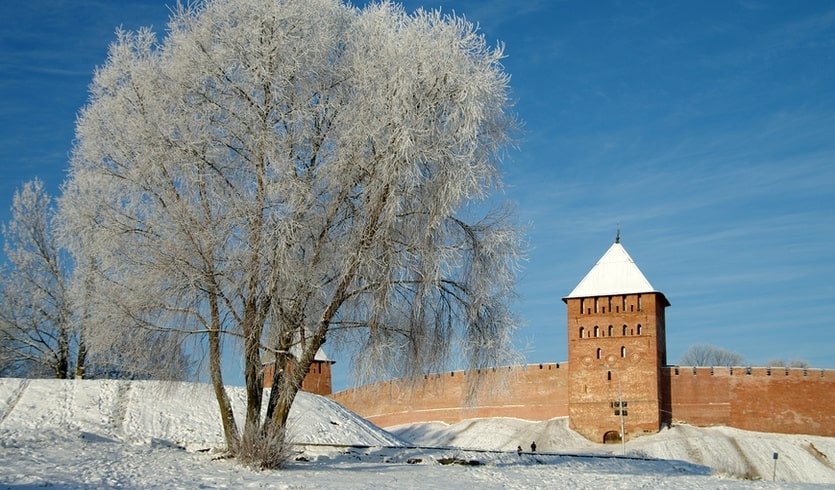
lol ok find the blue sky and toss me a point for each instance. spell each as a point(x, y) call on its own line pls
point(705, 130)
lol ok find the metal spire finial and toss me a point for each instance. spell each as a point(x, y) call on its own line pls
point(617, 237)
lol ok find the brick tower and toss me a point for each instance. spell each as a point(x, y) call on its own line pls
point(616, 348)
point(318, 377)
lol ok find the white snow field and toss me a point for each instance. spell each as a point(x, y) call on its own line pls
point(726, 451)
point(150, 434)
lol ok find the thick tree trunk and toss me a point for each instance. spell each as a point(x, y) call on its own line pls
point(227, 416)
point(287, 381)
point(252, 321)
point(283, 362)
point(253, 374)
point(278, 377)
point(282, 408)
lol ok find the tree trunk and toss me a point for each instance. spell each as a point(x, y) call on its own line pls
point(286, 384)
point(63, 366)
point(81, 359)
point(253, 322)
point(227, 416)
point(282, 409)
point(253, 374)
point(283, 361)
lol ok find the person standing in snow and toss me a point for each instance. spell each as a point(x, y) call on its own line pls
point(533, 447)
point(519, 450)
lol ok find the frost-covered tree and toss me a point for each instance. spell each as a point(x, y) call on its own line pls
point(282, 172)
point(710, 355)
point(116, 345)
point(37, 335)
point(44, 308)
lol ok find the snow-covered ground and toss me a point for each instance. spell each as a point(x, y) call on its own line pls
point(144, 434)
point(727, 451)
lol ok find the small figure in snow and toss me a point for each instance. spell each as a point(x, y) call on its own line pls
point(533, 447)
point(519, 450)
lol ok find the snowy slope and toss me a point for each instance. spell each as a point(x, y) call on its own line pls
point(176, 414)
point(143, 434)
point(498, 433)
point(744, 453)
point(728, 451)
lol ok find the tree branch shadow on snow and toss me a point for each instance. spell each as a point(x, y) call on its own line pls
point(375, 458)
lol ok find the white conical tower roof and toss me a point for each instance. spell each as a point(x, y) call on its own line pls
point(295, 350)
point(614, 274)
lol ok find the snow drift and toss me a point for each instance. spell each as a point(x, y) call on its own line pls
point(728, 451)
point(170, 413)
point(150, 434)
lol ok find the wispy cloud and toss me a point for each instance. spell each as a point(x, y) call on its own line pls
point(494, 13)
point(704, 131)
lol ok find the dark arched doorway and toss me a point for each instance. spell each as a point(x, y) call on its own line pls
point(611, 437)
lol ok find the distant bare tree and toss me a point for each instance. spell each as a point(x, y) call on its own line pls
point(795, 363)
point(279, 173)
point(710, 355)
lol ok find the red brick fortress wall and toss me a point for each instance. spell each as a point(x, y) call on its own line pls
point(791, 401)
point(758, 399)
point(532, 392)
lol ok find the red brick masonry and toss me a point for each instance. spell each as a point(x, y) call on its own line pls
point(802, 401)
point(532, 392)
point(317, 380)
point(791, 401)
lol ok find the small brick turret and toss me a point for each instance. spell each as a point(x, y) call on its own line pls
point(317, 380)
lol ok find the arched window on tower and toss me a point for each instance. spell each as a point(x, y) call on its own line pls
point(624, 330)
point(596, 331)
point(623, 351)
point(639, 329)
point(599, 351)
point(597, 305)
point(582, 304)
point(582, 331)
point(608, 376)
point(611, 330)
